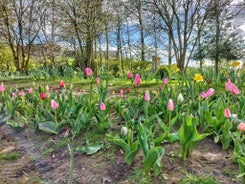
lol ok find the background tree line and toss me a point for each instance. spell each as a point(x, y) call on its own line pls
point(185, 29)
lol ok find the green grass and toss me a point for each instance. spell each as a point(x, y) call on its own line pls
point(192, 179)
point(10, 156)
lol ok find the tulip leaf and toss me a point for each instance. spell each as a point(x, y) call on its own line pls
point(90, 149)
point(48, 127)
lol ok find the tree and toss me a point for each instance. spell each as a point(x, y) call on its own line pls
point(180, 19)
point(20, 25)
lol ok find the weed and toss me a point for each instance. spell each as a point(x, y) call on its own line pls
point(9, 156)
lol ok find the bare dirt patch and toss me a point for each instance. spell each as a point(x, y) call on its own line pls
point(45, 158)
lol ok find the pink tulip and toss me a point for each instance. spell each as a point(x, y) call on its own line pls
point(147, 96)
point(2, 87)
point(130, 75)
point(102, 106)
point(98, 81)
point(43, 96)
point(227, 113)
point(160, 87)
point(137, 80)
point(88, 72)
point(128, 89)
point(30, 90)
point(22, 93)
point(62, 84)
point(170, 105)
point(14, 95)
point(210, 92)
point(165, 81)
point(241, 126)
point(47, 87)
point(231, 87)
point(121, 93)
point(54, 104)
point(203, 95)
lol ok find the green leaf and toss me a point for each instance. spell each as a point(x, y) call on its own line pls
point(90, 149)
point(142, 137)
point(4, 118)
point(122, 144)
point(154, 156)
point(48, 127)
point(129, 158)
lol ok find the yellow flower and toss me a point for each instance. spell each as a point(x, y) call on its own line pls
point(198, 77)
point(235, 63)
point(177, 69)
point(202, 63)
point(69, 63)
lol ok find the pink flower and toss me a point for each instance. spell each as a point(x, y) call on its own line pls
point(121, 93)
point(147, 96)
point(98, 81)
point(210, 92)
point(30, 90)
point(227, 113)
point(47, 87)
point(128, 89)
point(241, 126)
point(203, 95)
point(160, 87)
point(207, 94)
point(165, 81)
point(170, 105)
point(14, 95)
point(130, 75)
point(43, 96)
point(54, 104)
point(62, 84)
point(231, 87)
point(22, 93)
point(137, 80)
point(88, 72)
point(2, 87)
point(102, 106)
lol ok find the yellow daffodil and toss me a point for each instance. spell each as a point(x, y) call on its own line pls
point(235, 63)
point(177, 69)
point(198, 77)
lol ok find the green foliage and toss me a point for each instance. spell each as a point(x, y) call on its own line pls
point(162, 72)
point(192, 179)
point(9, 156)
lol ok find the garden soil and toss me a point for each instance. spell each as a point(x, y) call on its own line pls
point(42, 158)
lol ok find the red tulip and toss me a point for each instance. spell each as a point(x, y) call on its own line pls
point(43, 96)
point(62, 84)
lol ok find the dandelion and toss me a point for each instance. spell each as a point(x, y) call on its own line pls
point(198, 77)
